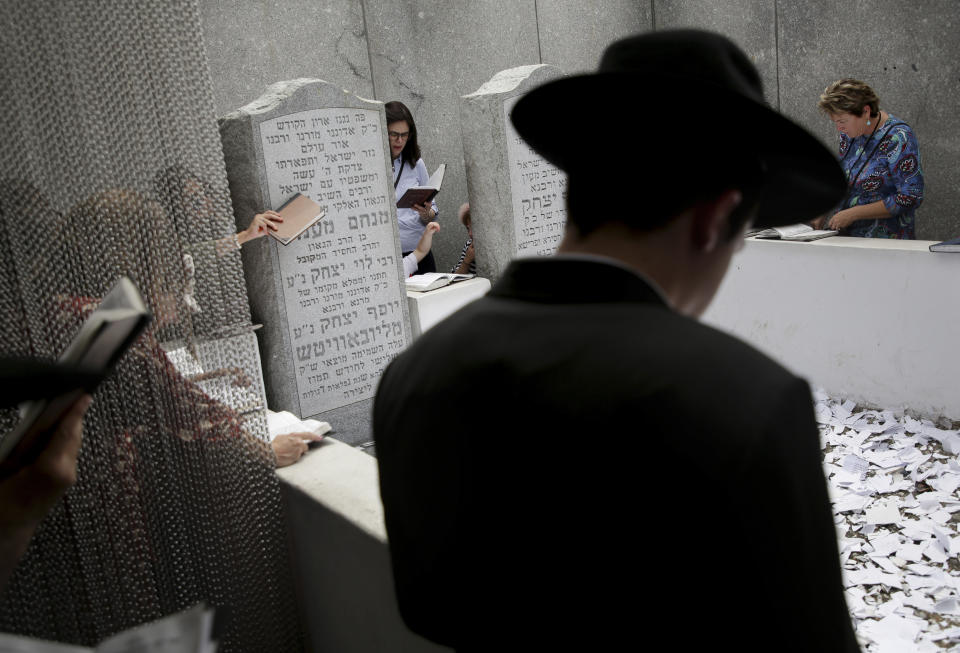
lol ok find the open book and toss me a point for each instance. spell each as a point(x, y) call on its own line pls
point(434, 280)
point(798, 232)
point(952, 245)
point(423, 194)
point(299, 214)
point(184, 632)
point(102, 339)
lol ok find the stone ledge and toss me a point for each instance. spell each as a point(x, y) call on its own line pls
point(343, 479)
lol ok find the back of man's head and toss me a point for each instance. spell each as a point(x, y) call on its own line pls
point(645, 198)
point(670, 119)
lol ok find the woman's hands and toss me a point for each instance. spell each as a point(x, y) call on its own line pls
point(261, 223)
point(290, 447)
point(426, 212)
point(845, 218)
point(841, 220)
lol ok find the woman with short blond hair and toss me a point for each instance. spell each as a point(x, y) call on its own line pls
point(881, 159)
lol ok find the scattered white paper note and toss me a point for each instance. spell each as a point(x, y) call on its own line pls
point(935, 552)
point(884, 513)
point(885, 544)
point(911, 552)
point(871, 577)
point(948, 606)
point(855, 464)
point(894, 629)
point(851, 502)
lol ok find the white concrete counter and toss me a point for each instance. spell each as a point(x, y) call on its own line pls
point(428, 308)
point(870, 319)
point(341, 563)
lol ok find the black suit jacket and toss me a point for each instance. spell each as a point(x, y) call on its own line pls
point(568, 462)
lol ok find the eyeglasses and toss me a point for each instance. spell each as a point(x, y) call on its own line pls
point(397, 136)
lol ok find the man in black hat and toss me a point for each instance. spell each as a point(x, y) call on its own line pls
point(623, 472)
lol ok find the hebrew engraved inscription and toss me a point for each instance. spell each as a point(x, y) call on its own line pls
point(340, 278)
point(539, 191)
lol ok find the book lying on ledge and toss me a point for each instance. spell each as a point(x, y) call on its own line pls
point(423, 194)
point(797, 232)
point(434, 280)
point(299, 214)
point(952, 245)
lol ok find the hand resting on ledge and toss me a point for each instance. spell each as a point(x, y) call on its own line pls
point(290, 447)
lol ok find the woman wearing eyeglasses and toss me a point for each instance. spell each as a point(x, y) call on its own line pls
point(880, 156)
point(409, 170)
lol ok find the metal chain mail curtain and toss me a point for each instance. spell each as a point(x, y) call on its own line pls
point(111, 164)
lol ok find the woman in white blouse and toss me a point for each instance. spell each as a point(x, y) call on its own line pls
point(409, 170)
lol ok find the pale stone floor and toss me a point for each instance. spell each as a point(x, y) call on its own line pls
point(893, 483)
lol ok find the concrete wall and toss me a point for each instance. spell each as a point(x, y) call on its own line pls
point(427, 53)
point(909, 52)
point(752, 24)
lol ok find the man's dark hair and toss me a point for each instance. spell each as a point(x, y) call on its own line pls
point(659, 198)
point(397, 111)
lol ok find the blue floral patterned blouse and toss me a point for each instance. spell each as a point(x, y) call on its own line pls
point(884, 166)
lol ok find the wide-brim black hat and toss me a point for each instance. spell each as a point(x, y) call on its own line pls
point(686, 104)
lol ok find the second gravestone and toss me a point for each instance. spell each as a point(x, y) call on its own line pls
point(517, 199)
point(332, 302)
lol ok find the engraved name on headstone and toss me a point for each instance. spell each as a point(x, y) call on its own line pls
point(539, 191)
point(334, 308)
point(517, 199)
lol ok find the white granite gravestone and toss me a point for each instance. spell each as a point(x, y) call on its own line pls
point(332, 302)
point(517, 199)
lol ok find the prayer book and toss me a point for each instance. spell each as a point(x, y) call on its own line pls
point(423, 194)
point(107, 333)
point(434, 280)
point(796, 232)
point(299, 214)
point(952, 245)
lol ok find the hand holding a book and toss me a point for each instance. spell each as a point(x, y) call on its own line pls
point(290, 447)
point(426, 212)
point(30, 487)
point(260, 225)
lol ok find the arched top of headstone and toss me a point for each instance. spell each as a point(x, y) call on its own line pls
point(293, 92)
point(517, 199)
point(512, 79)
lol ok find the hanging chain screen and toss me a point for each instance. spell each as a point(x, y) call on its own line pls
point(111, 165)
